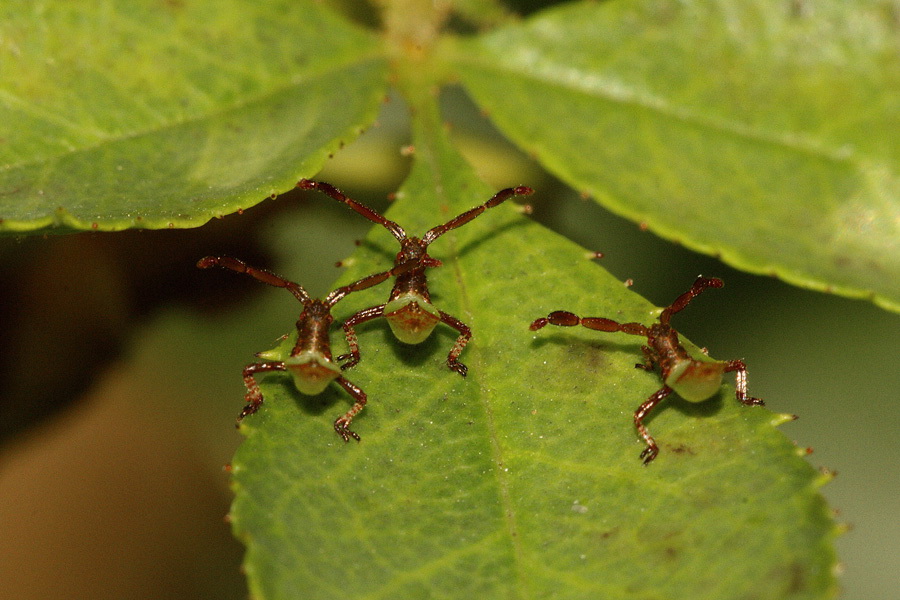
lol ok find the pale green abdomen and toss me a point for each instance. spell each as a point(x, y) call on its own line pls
point(696, 381)
point(312, 372)
point(411, 318)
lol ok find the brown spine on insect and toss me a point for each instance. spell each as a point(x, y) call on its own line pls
point(312, 329)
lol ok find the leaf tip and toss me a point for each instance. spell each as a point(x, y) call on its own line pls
point(781, 418)
point(826, 475)
point(803, 451)
point(839, 530)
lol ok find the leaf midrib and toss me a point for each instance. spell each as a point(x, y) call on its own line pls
point(484, 398)
point(431, 124)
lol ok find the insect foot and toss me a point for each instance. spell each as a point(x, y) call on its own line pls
point(409, 311)
point(692, 379)
point(309, 363)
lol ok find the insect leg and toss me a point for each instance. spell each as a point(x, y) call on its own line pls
point(650, 359)
point(254, 396)
point(652, 449)
point(465, 334)
point(342, 424)
point(740, 373)
point(362, 316)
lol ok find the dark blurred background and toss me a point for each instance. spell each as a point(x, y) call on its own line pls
point(121, 374)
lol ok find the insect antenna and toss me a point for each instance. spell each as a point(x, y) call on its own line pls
point(700, 284)
point(267, 277)
point(497, 199)
point(366, 282)
point(369, 213)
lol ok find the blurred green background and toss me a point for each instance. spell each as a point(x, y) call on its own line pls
point(121, 369)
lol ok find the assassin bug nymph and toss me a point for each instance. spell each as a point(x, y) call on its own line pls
point(309, 362)
point(409, 310)
point(692, 379)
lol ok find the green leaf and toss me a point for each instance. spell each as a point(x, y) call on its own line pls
point(138, 114)
point(765, 132)
point(523, 479)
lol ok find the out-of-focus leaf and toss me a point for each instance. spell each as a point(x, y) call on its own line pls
point(166, 114)
point(764, 132)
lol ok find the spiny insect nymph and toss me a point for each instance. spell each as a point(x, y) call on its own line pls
point(409, 311)
point(694, 380)
point(310, 361)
